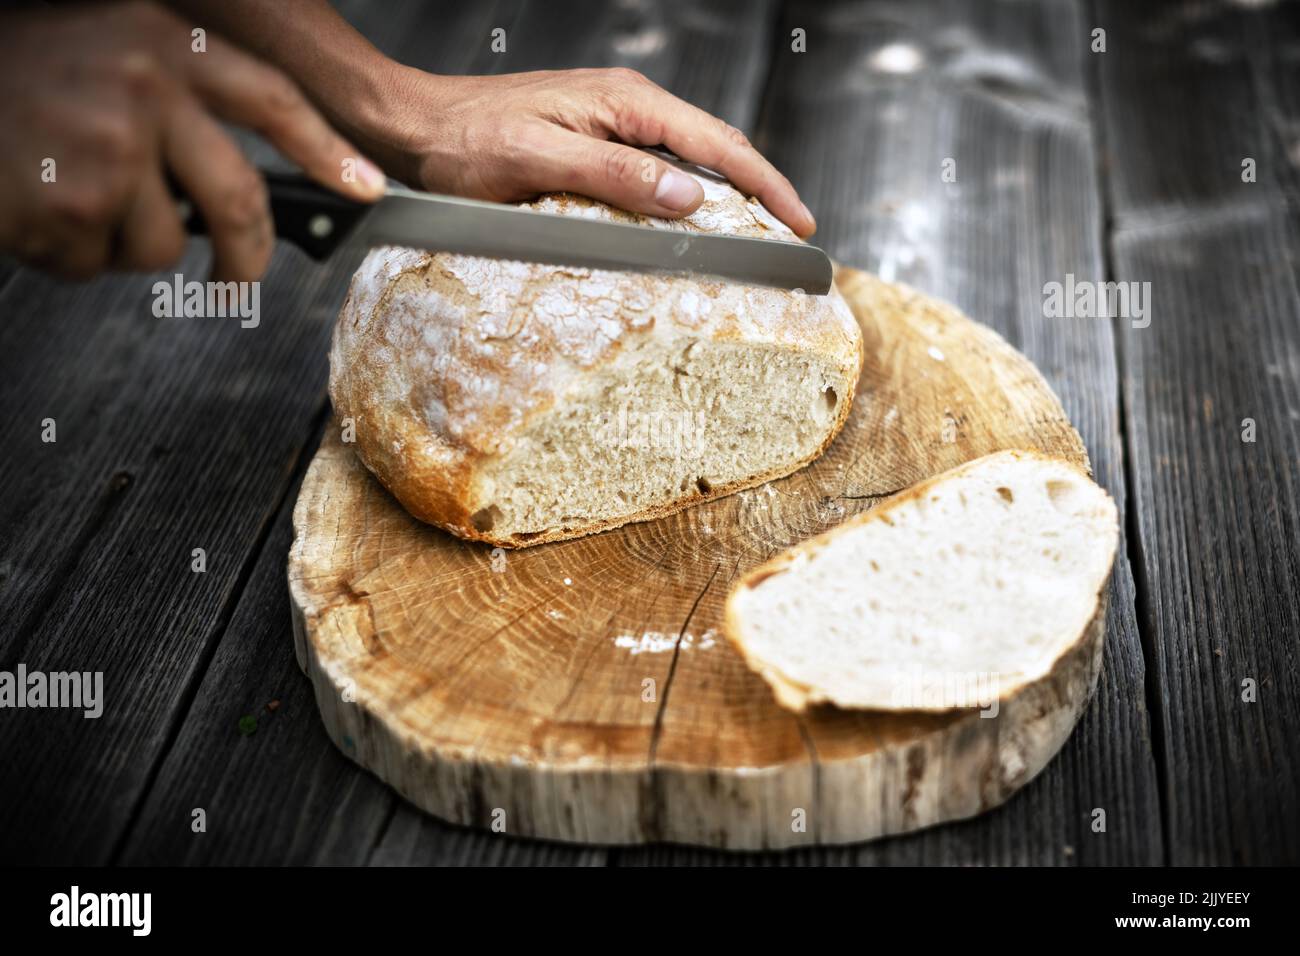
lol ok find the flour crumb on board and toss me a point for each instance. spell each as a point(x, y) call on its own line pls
point(934, 353)
point(659, 642)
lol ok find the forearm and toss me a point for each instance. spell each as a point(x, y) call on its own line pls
point(506, 137)
point(344, 75)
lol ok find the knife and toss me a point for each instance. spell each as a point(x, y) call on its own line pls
point(318, 220)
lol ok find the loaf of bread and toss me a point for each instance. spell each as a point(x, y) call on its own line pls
point(519, 403)
point(955, 593)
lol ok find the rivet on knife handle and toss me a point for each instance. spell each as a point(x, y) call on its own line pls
point(314, 218)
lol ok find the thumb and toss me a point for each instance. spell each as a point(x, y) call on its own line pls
point(621, 176)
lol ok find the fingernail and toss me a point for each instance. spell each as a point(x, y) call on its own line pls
point(676, 191)
point(809, 216)
point(371, 176)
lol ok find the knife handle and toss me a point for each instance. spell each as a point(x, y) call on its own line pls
point(313, 218)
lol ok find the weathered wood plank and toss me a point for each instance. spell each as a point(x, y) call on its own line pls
point(1187, 93)
point(280, 795)
point(172, 435)
point(437, 37)
point(862, 122)
point(415, 838)
point(712, 54)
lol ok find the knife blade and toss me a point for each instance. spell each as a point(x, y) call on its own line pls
point(319, 220)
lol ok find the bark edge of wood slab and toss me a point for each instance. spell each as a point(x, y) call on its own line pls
point(583, 690)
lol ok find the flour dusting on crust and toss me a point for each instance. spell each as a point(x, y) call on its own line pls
point(442, 358)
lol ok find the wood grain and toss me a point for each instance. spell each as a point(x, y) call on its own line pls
point(1187, 93)
point(155, 457)
point(508, 690)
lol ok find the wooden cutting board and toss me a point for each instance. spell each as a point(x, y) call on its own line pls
point(583, 690)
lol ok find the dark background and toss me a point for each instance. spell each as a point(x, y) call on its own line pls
point(1117, 165)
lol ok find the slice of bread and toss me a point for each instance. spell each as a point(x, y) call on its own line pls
point(955, 593)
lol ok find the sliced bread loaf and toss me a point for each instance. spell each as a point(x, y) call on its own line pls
point(955, 593)
point(518, 403)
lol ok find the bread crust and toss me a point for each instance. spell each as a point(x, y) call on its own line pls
point(796, 696)
point(441, 361)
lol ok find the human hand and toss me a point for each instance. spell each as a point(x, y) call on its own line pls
point(117, 98)
point(513, 136)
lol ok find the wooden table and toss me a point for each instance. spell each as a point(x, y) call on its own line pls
point(1122, 165)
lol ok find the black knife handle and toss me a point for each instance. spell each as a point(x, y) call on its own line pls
point(313, 218)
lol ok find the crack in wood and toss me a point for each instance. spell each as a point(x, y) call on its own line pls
point(657, 731)
point(1133, 552)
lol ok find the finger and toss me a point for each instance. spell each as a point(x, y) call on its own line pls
point(151, 236)
point(75, 239)
point(227, 189)
point(653, 116)
point(81, 256)
point(619, 175)
point(241, 90)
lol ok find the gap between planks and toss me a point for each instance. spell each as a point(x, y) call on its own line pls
point(1134, 546)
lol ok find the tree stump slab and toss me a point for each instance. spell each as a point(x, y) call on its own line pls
point(584, 691)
